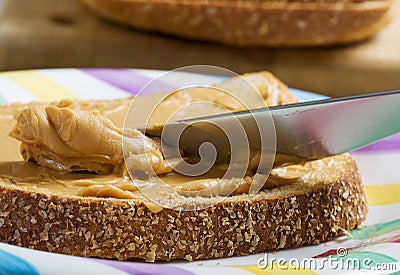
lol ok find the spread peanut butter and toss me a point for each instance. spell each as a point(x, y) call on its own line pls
point(77, 148)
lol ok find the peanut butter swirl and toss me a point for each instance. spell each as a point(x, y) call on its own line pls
point(69, 140)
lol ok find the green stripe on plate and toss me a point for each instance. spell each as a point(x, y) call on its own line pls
point(2, 99)
point(375, 230)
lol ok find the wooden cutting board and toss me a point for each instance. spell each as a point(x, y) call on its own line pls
point(48, 33)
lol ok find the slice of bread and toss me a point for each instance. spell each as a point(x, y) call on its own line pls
point(253, 22)
point(42, 209)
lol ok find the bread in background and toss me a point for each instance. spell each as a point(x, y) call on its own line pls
point(253, 22)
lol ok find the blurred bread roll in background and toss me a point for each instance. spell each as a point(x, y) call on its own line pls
point(274, 23)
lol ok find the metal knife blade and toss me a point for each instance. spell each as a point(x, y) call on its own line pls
point(309, 130)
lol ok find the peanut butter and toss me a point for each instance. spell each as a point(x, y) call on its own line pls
point(68, 140)
point(73, 136)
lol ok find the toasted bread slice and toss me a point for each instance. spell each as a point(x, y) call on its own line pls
point(253, 22)
point(45, 209)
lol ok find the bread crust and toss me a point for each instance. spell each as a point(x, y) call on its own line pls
point(252, 23)
point(285, 217)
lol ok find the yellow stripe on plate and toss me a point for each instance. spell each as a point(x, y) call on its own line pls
point(276, 269)
point(383, 194)
point(39, 85)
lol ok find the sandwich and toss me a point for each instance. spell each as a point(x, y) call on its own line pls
point(253, 22)
point(67, 186)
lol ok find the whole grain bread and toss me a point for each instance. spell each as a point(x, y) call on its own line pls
point(285, 217)
point(320, 206)
point(253, 22)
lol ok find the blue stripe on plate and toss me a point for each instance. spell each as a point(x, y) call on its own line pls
point(11, 264)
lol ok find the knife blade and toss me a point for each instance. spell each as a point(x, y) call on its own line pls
point(309, 130)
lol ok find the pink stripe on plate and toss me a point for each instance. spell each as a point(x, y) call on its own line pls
point(391, 143)
point(128, 80)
